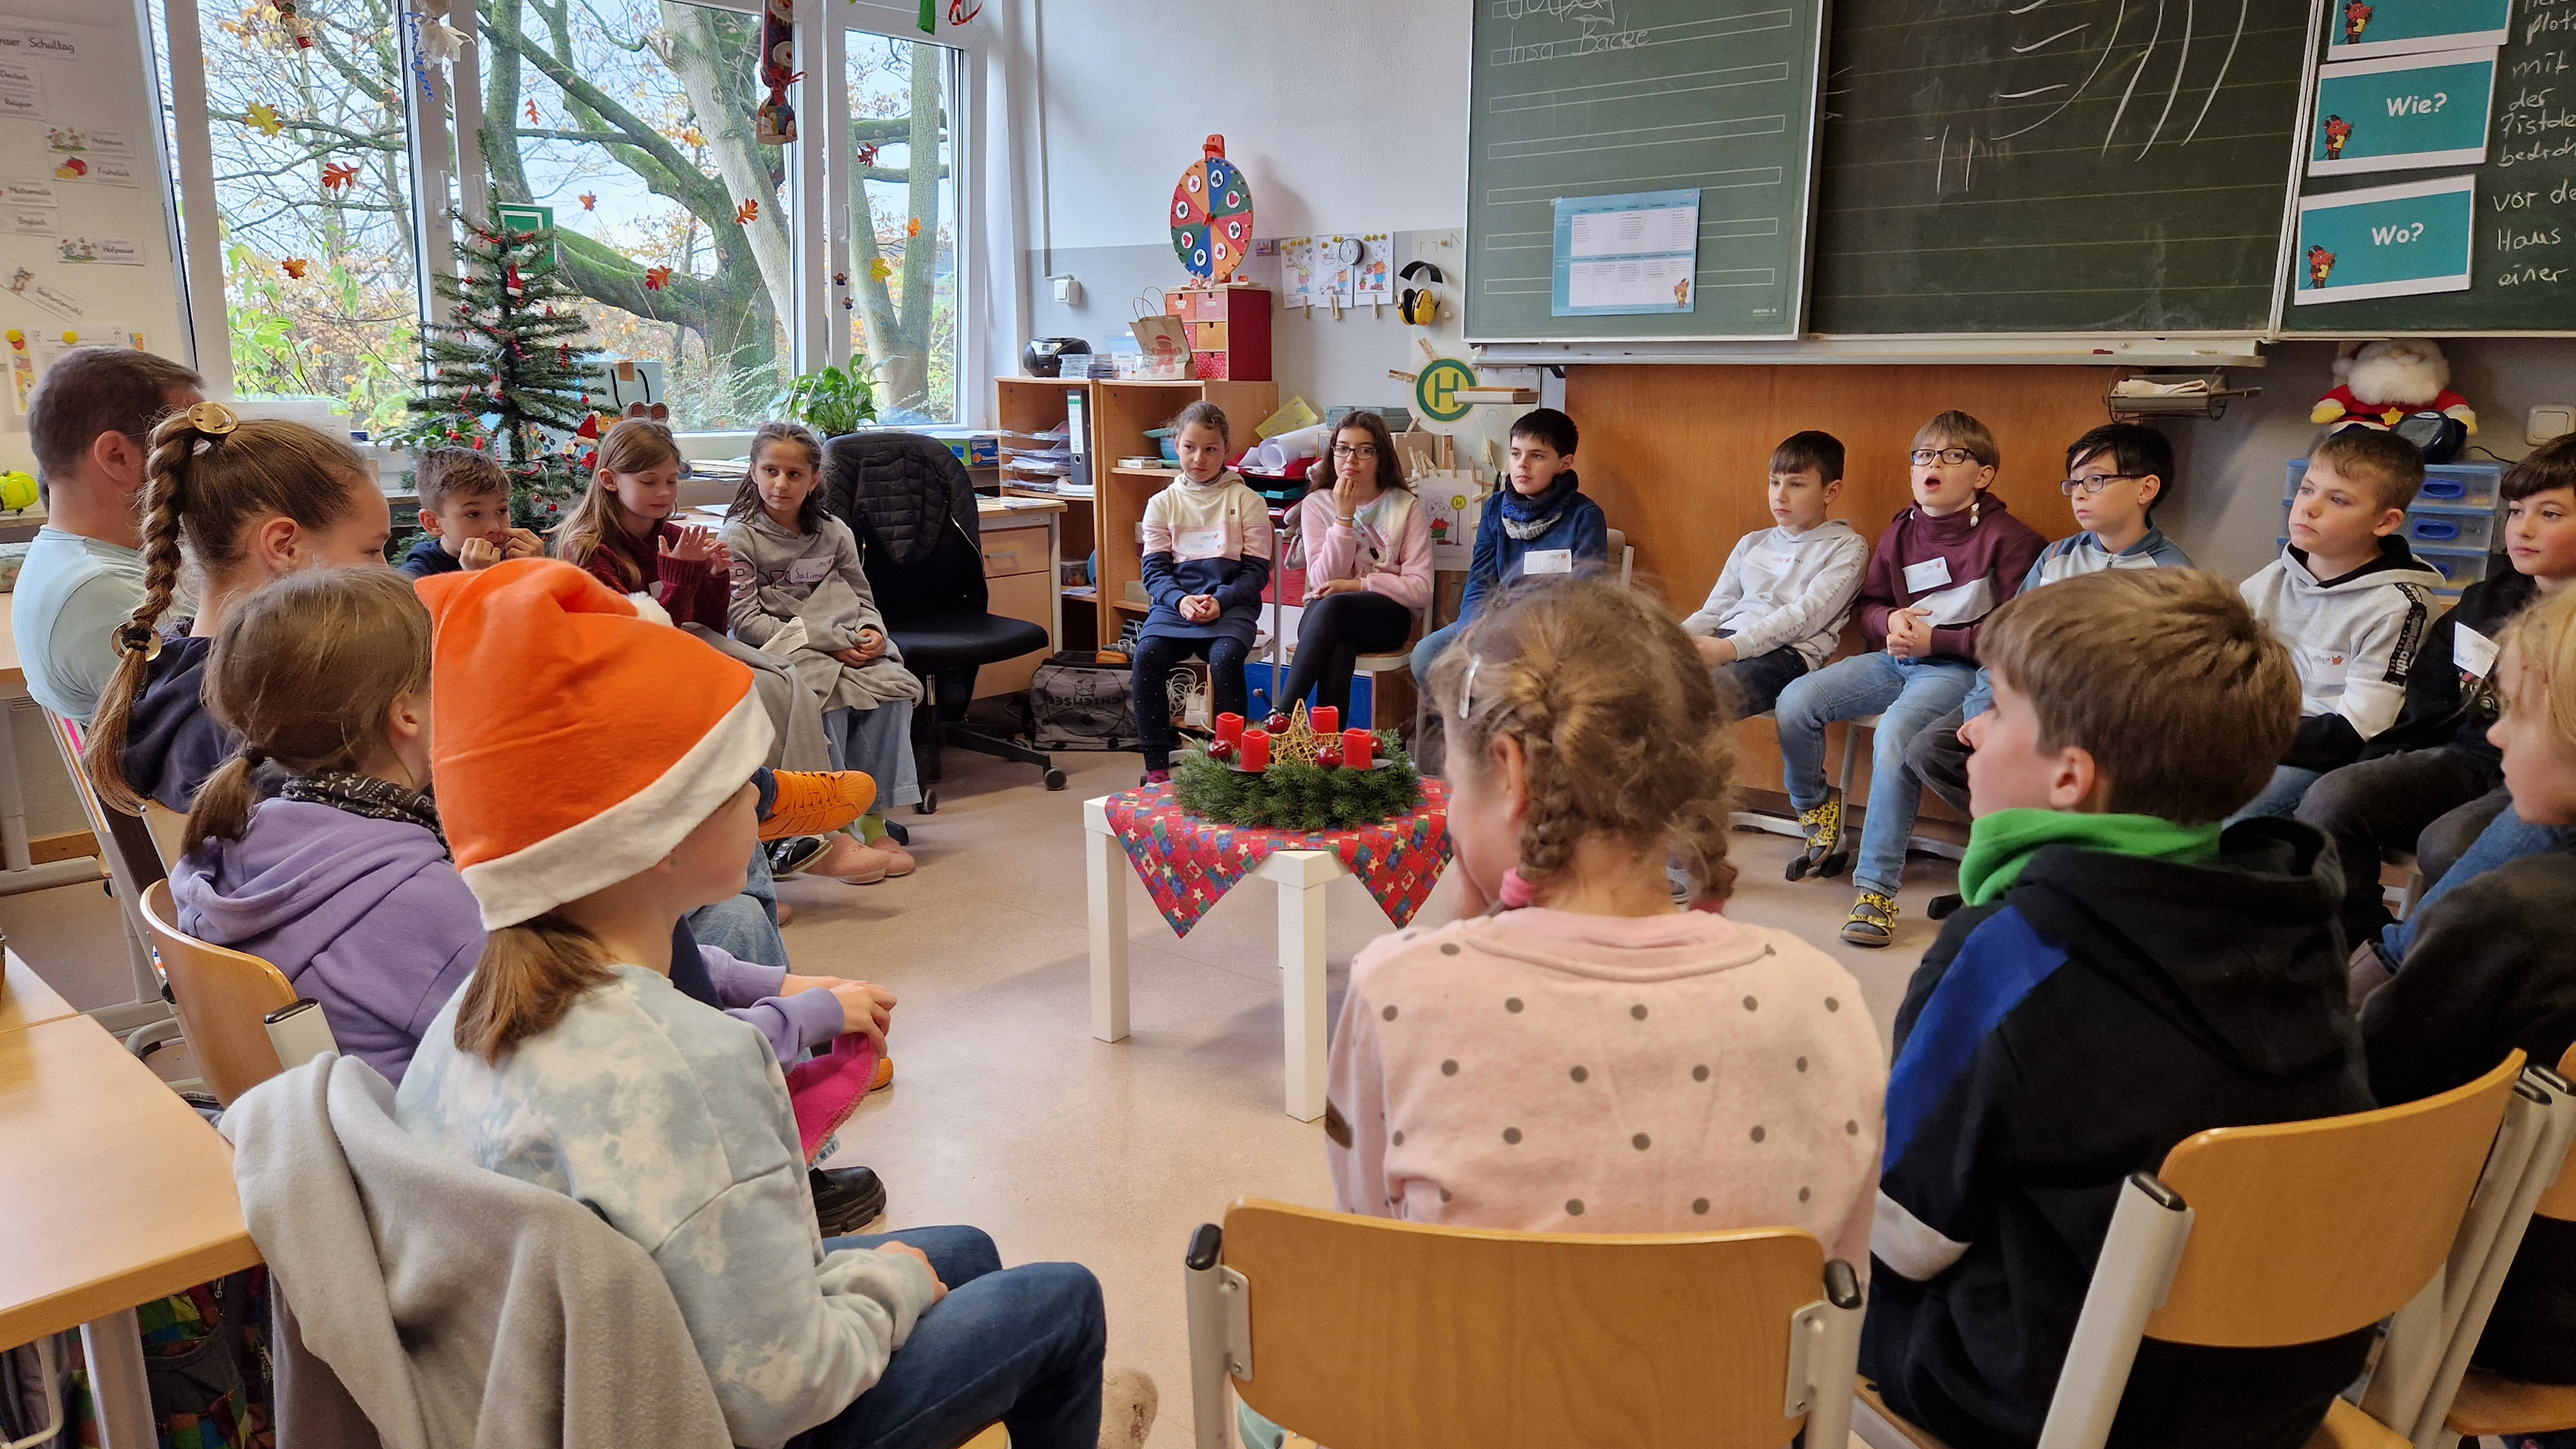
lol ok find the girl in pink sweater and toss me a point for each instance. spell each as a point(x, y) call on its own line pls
point(1586, 1057)
point(1367, 541)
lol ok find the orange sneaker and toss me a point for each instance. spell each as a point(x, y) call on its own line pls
point(817, 802)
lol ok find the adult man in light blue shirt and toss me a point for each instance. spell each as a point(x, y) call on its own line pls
point(89, 421)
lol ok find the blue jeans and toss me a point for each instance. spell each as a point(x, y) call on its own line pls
point(878, 743)
point(1907, 694)
point(746, 925)
point(1021, 1346)
point(2281, 797)
point(2507, 839)
point(1753, 685)
point(1427, 653)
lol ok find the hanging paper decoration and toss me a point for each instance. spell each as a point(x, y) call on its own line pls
point(510, 282)
point(866, 155)
point(532, 113)
point(959, 12)
point(880, 268)
point(912, 227)
point(775, 119)
point(656, 278)
point(264, 119)
point(437, 40)
point(589, 201)
point(336, 176)
point(1211, 215)
point(294, 268)
point(746, 214)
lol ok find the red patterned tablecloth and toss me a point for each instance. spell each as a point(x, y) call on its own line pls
point(1189, 862)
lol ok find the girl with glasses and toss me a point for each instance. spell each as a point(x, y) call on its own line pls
point(1367, 545)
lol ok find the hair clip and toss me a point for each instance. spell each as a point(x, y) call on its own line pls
point(138, 638)
point(212, 419)
point(1467, 689)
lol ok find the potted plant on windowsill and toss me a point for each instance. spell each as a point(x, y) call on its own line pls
point(830, 400)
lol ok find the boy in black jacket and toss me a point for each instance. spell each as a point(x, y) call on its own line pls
point(2436, 758)
point(2123, 977)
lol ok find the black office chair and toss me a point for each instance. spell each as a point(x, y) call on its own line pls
point(913, 508)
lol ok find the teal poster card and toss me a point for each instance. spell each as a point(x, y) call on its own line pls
point(2386, 241)
point(2362, 29)
point(2402, 112)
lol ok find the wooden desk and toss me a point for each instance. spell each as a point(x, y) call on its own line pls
point(1023, 543)
point(118, 1194)
point(25, 999)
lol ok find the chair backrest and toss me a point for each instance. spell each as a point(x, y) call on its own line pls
point(2303, 1231)
point(2558, 1200)
point(223, 998)
point(912, 506)
point(168, 829)
point(1371, 1334)
point(1622, 557)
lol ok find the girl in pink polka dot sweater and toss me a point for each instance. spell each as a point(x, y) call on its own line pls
point(1589, 1058)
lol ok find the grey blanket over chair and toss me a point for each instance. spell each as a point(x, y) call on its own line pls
point(446, 1306)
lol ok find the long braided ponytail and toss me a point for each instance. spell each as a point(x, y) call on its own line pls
point(207, 475)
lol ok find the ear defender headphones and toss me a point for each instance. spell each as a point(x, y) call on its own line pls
point(1419, 305)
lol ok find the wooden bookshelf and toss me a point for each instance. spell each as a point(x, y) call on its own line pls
point(1119, 415)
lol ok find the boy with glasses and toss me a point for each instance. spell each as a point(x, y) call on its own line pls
point(1942, 566)
point(2115, 476)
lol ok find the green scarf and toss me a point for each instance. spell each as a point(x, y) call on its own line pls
point(1999, 845)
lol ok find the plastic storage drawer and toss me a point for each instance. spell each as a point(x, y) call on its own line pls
point(2447, 485)
point(2458, 569)
point(2461, 529)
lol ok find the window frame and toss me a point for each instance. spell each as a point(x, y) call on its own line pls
point(447, 165)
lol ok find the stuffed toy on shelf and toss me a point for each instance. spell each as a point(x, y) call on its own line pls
point(2380, 384)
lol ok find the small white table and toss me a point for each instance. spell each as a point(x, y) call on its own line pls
point(1301, 876)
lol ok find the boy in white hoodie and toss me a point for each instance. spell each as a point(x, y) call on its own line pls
point(1780, 603)
point(2350, 600)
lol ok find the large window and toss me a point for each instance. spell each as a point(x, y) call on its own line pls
point(903, 223)
point(313, 195)
point(633, 121)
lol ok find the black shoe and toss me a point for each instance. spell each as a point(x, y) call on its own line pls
point(901, 835)
point(846, 1199)
point(1943, 907)
point(790, 856)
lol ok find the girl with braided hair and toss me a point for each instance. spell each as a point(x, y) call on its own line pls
point(253, 501)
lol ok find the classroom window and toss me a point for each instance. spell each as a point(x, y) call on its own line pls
point(631, 119)
point(903, 223)
point(313, 196)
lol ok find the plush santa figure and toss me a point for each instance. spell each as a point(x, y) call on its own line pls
point(2377, 383)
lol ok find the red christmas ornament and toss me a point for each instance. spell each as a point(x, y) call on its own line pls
point(1277, 724)
point(1329, 758)
point(1221, 751)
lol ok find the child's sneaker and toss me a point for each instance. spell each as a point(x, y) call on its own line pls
point(817, 802)
point(1826, 856)
point(1873, 920)
point(1156, 777)
point(1128, 1401)
point(796, 854)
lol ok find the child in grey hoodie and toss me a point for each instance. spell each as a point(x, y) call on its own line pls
point(797, 581)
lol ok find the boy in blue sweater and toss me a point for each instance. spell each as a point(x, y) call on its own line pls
point(1540, 525)
point(464, 516)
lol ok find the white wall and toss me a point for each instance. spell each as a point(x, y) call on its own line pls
point(1352, 117)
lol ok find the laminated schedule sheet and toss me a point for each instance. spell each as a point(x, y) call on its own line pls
point(1626, 255)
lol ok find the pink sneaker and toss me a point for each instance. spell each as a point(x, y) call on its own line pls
point(1156, 777)
point(850, 862)
point(898, 861)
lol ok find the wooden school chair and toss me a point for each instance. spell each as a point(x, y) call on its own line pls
point(224, 998)
point(2487, 1403)
point(1371, 1334)
point(2263, 1237)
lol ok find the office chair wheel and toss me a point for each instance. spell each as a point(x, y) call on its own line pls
point(1054, 778)
point(929, 803)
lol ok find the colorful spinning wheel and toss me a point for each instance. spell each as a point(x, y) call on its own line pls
point(1212, 215)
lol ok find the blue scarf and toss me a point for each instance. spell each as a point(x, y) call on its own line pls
point(1526, 517)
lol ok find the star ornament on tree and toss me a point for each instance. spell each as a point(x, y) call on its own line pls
point(656, 278)
point(264, 119)
point(337, 175)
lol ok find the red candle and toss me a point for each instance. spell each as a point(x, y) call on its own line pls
point(1254, 752)
point(1325, 719)
point(1359, 749)
point(1229, 727)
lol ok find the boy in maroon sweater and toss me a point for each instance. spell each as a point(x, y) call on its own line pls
point(1941, 567)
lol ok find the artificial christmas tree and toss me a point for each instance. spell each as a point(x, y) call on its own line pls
point(502, 368)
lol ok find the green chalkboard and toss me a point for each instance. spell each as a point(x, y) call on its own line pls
point(1580, 98)
point(2522, 247)
point(2106, 166)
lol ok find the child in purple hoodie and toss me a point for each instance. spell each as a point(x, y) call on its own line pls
point(340, 877)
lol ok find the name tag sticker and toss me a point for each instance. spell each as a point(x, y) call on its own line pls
point(808, 570)
point(1192, 543)
point(1548, 561)
point(2474, 652)
point(1926, 576)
